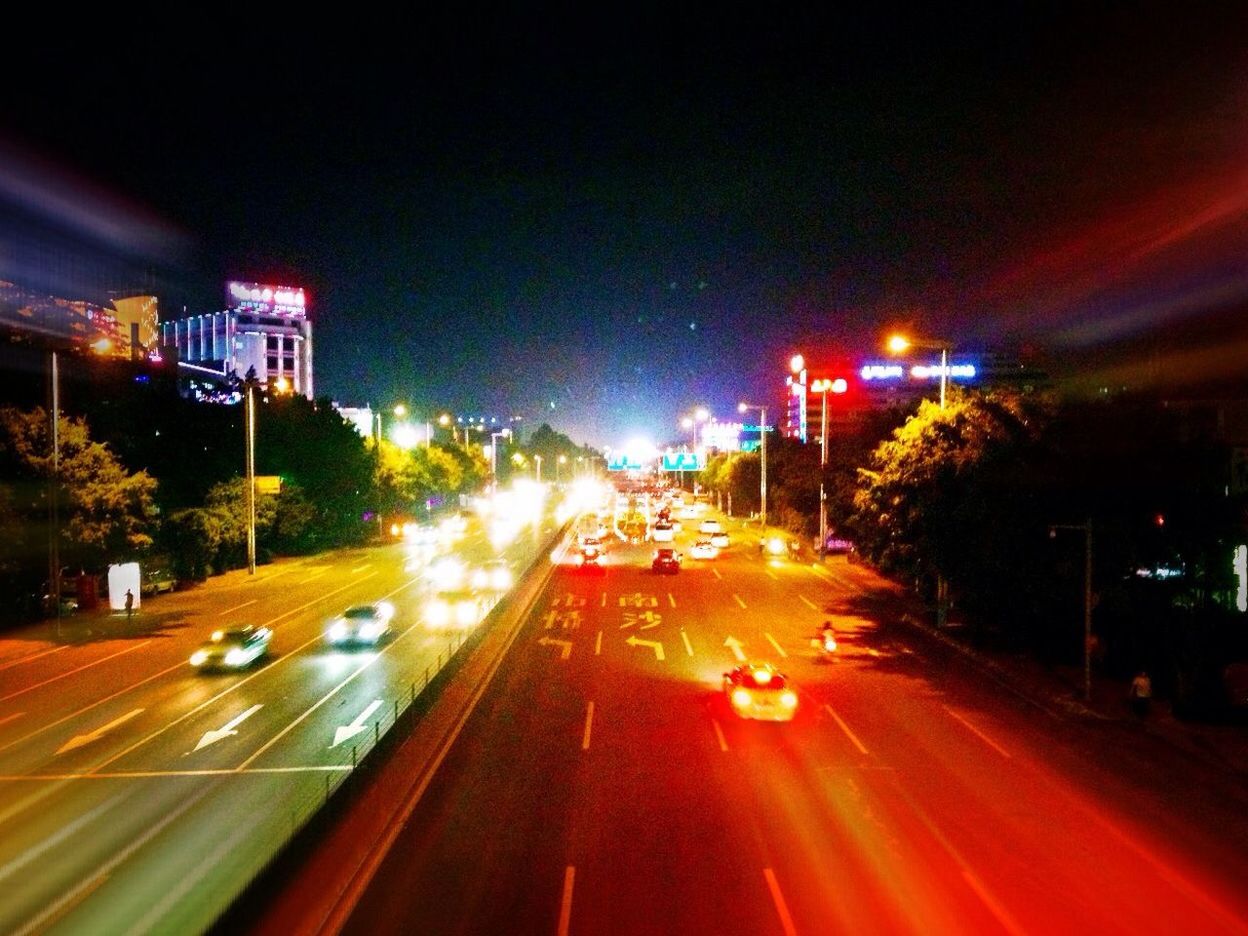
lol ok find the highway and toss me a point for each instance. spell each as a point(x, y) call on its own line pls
point(138, 795)
point(602, 785)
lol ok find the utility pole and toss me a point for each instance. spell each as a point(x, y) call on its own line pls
point(250, 431)
point(54, 498)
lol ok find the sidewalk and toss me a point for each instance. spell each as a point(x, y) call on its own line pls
point(1059, 690)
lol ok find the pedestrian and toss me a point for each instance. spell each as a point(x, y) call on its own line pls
point(1141, 693)
point(129, 604)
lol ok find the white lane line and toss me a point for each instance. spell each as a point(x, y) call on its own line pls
point(688, 645)
point(565, 902)
point(719, 733)
point(808, 603)
point(603, 602)
point(9, 718)
point(1008, 923)
point(871, 651)
point(79, 669)
point(33, 656)
point(772, 575)
point(737, 599)
point(314, 575)
point(318, 638)
point(715, 572)
point(779, 649)
point(598, 644)
point(158, 774)
point(53, 840)
point(845, 728)
point(671, 600)
point(237, 607)
point(589, 726)
point(53, 911)
point(366, 565)
point(786, 920)
point(979, 734)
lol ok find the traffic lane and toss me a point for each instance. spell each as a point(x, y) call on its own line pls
point(485, 850)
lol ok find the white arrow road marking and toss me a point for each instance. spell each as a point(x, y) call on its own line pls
point(346, 732)
point(79, 740)
point(779, 649)
point(652, 644)
point(736, 646)
point(226, 730)
point(565, 646)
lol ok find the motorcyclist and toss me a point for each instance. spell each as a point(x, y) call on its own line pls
point(826, 637)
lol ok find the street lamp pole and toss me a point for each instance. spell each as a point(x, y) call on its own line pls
point(250, 419)
point(494, 437)
point(538, 459)
point(762, 483)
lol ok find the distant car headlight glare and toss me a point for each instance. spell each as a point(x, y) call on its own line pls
point(236, 657)
point(198, 658)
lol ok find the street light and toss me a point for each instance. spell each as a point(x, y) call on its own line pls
point(898, 344)
point(494, 437)
point(1086, 527)
point(823, 386)
point(762, 431)
point(538, 459)
point(561, 460)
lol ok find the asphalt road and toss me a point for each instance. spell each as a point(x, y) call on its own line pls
point(137, 795)
point(603, 786)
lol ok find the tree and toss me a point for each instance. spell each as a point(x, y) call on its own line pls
point(107, 513)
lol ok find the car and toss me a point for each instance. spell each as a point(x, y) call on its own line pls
point(710, 526)
point(156, 581)
point(663, 533)
point(361, 624)
point(665, 560)
point(460, 609)
point(493, 576)
point(232, 648)
point(760, 692)
point(719, 540)
point(704, 549)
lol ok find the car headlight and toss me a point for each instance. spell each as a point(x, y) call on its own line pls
point(438, 613)
point(370, 631)
point(741, 698)
point(236, 657)
point(338, 631)
point(466, 613)
point(775, 546)
point(789, 699)
point(198, 658)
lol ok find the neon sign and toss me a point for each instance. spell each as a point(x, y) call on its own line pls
point(927, 372)
point(882, 372)
point(257, 297)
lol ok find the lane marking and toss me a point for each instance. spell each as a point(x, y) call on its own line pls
point(598, 644)
point(603, 602)
point(33, 656)
point(9, 718)
point(979, 734)
point(237, 607)
point(772, 575)
point(565, 902)
point(357, 725)
point(228, 729)
point(589, 724)
point(738, 600)
point(158, 774)
point(715, 572)
point(994, 906)
point(786, 920)
point(685, 638)
point(79, 669)
point(779, 649)
point(318, 638)
point(873, 652)
point(74, 896)
point(366, 565)
point(671, 599)
point(810, 604)
point(565, 646)
point(845, 728)
point(56, 838)
point(314, 575)
point(88, 737)
point(719, 733)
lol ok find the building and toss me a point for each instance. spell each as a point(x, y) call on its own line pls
point(264, 331)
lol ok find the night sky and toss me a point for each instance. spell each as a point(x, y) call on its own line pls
point(602, 221)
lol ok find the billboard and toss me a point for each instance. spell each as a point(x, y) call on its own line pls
point(683, 461)
point(266, 300)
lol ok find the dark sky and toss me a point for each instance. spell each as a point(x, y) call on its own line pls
point(600, 221)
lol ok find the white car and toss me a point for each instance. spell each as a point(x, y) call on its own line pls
point(361, 624)
point(662, 533)
point(493, 576)
point(704, 549)
point(719, 540)
point(710, 526)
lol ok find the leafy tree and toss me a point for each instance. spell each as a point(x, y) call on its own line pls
point(106, 511)
point(193, 537)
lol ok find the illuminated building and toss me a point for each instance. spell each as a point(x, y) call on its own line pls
point(265, 331)
point(126, 329)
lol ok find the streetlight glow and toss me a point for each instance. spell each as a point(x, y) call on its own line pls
point(897, 344)
point(796, 363)
point(400, 411)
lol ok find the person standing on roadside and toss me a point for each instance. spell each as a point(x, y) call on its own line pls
point(129, 604)
point(1141, 693)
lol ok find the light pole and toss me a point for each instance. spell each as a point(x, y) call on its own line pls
point(249, 414)
point(494, 437)
point(538, 459)
point(897, 344)
point(823, 386)
point(561, 460)
point(1086, 527)
point(444, 421)
point(762, 482)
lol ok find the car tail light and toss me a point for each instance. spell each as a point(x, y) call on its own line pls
point(789, 699)
point(741, 698)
